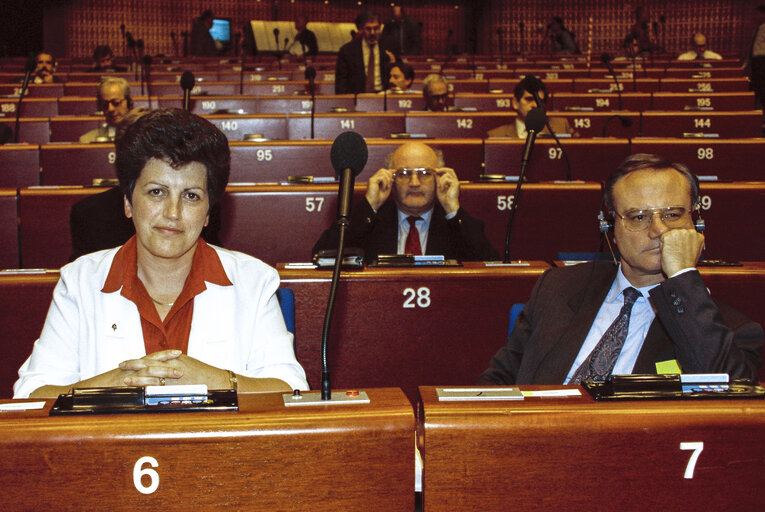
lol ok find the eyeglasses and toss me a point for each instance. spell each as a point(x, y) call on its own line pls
point(113, 103)
point(423, 174)
point(640, 220)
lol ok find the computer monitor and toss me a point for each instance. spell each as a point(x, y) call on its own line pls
point(221, 30)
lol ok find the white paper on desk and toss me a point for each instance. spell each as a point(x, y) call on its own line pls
point(21, 406)
point(478, 394)
point(553, 392)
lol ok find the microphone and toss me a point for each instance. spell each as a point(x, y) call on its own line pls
point(130, 41)
point(276, 37)
point(310, 75)
point(147, 72)
point(605, 58)
point(536, 120)
point(29, 67)
point(625, 121)
point(286, 40)
point(187, 84)
point(349, 156)
point(122, 29)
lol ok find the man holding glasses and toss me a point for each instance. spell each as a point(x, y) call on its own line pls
point(423, 217)
point(650, 313)
point(114, 101)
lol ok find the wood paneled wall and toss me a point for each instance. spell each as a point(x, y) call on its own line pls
point(727, 23)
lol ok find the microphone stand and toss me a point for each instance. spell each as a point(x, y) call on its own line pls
point(499, 33)
point(312, 86)
point(147, 72)
point(521, 27)
point(30, 67)
point(241, 72)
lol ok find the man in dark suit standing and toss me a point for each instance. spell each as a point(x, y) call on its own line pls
point(412, 207)
point(353, 72)
point(650, 314)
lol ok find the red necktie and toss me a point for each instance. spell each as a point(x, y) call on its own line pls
point(370, 85)
point(413, 238)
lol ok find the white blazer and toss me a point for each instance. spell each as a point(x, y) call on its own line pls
point(88, 332)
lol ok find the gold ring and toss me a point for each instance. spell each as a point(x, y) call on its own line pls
point(161, 381)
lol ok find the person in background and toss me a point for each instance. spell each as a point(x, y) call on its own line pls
point(305, 38)
point(165, 308)
point(412, 207)
point(362, 64)
point(402, 33)
point(435, 91)
point(46, 68)
point(103, 60)
point(561, 39)
point(401, 77)
point(699, 49)
point(523, 101)
point(113, 97)
point(202, 42)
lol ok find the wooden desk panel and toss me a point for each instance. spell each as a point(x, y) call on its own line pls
point(257, 75)
point(20, 165)
point(456, 124)
point(728, 125)
point(551, 217)
point(591, 160)
point(599, 85)
point(34, 90)
point(9, 234)
point(396, 102)
point(706, 72)
point(731, 159)
point(591, 124)
point(486, 102)
point(727, 235)
point(575, 454)
point(30, 107)
point(86, 105)
point(270, 126)
point(76, 164)
point(202, 105)
point(407, 327)
point(740, 84)
point(200, 89)
point(329, 126)
point(508, 85)
point(263, 457)
point(635, 101)
point(288, 88)
point(324, 104)
point(32, 130)
point(259, 162)
point(25, 299)
point(71, 128)
point(691, 101)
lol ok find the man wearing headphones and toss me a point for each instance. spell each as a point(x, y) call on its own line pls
point(114, 101)
point(650, 314)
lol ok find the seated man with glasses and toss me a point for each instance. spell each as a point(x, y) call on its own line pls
point(412, 207)
point(113, 97)
point(650, 313)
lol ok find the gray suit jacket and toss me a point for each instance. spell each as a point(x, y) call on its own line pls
point(702, 334)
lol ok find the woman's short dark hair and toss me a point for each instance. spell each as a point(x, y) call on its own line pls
point(177, 137)
point(643, 161)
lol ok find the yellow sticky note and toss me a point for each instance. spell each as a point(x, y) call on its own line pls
point(665, 367)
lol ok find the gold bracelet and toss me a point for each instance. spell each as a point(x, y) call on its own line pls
point(233, 381)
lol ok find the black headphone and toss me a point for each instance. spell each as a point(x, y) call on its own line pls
point(605, 226)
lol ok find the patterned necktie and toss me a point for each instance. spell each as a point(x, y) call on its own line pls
point(413, 238)
point(370, 86)
point(600, 363)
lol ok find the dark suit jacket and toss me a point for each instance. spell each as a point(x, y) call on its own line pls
point(460, 237)
point(702, 334)
point(558, 124)
point(350, 77)
point(98, 222)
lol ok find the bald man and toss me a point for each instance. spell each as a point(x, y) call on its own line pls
point(699, 50)
point(412, 207)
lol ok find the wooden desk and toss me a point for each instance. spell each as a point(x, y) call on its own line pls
point(714, 100)
point(329, 126)
point(407, 327)
point(9, 229)
point(32, 130)
point(456, 124)
point(30, 107)
point(20, 164)
point(34, 90)
point(263, 457)
point(726, 159)
point(25, 299)
point(724, 207)
point(76, 164)
point(745, 123)
point(738, 84)
point(635, 101)
point(576, 454)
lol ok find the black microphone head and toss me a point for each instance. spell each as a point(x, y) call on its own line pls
point(626, 121)
point(30, 65)
point(605, 58)
point(521, 25)
point(130, 40)
point(353, 34)
point(349, 151)
point(147, 60)
point(276, 32)
point(187, 81)
point(139, 43)
point(310, 73)
point(536, 120)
